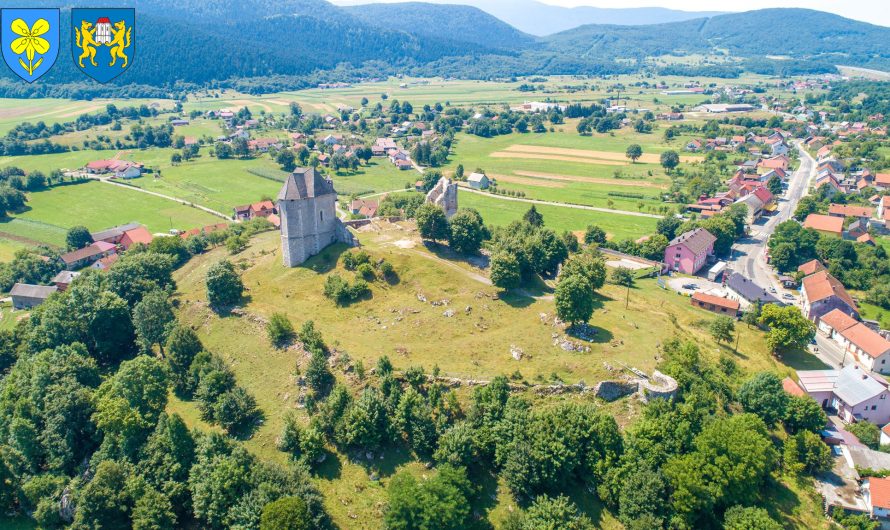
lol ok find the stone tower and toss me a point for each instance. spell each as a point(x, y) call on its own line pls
point(444, 195)
point(309, 223)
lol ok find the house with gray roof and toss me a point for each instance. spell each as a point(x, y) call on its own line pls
point(852, 391)
point(741, 288)
point(26, 296)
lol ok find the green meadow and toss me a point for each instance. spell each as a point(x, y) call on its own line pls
point(50, 213)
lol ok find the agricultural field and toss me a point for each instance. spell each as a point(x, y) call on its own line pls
point(50, 110)
point(564, 166)
point(631, 325)
point(96, 205)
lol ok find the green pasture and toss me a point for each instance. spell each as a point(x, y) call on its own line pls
point(97, 205)
point(501, 212)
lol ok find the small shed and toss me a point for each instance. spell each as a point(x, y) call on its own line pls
point(26, 296)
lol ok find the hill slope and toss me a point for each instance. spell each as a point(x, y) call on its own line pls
point(801, 34)
point(453, 23)
point(264, 45)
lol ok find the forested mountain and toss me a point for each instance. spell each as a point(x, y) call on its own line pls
point(796, 35)
point(265, 45)
point(450, 23)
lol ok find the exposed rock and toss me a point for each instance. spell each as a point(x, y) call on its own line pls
point(517, 353)
point(448, 313)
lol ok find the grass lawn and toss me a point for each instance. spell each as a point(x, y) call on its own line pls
point(8, 248)
point(96, 205)
point(500, 212)
point(412, 333)
point(49, 162)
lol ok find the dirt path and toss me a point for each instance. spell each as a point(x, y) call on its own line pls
point(26, 240)
point(562, 204)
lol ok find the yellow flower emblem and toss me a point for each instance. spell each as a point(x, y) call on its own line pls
point(30, 42)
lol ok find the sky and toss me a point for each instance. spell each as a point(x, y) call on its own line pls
point(872, 11)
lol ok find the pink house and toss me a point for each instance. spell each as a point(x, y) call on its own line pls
point(851, 391)
point(689, 252)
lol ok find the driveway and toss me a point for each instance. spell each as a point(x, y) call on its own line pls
point(702, 285)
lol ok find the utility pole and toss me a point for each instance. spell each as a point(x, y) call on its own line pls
point(738, 335)
point(627, 297)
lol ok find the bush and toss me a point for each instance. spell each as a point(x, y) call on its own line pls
point(280, 330)
point(224, 286)
point(366, 272)
point(352, 260)
point(288, 513)
point(868, 433)
point(235, 410)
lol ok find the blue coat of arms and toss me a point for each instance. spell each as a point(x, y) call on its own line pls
point(103, 41)
point(30, 40)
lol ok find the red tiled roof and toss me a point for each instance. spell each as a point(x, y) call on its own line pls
point(136, 235)
point(838, 320)
point(792, 388)
point(867, 340)
point(882, 179)
point(879, 492)
point(811, 267)
point(715, 300)
point(822, 285)
point(824, 223)
point(851, 211)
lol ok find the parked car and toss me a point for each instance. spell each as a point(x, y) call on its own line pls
point(787, 296)
point(691, 286)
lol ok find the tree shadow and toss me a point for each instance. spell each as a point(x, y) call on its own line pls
point(485, 500)
point(249, 426)
point(589, 333)
point(330, 468)
point(382, 464)
point(800, 359)
point(443, 251)
point(517, 299)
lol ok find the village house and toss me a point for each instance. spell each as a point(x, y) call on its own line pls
point(113, 235)
point(478, 181)
point(121, 169)
point(26, 296)
point(178, 122)
point(105, 263)
point(833, 323)
point(821, 293)
point(867, 347)
point(851, 391)
point(251, 211)
point(364, 208)
point(715, 304)
point(846, 210)
point(742, 288)
point(64, 279)
point(262, 145)
point(203, 230)
point(87, 255)
point(825, 224)
point(138, 235)
point(882, 181)
point(876, 491)
point(689, 252)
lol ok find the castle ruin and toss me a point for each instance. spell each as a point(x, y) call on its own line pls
point(309, 223)
point(444, 195)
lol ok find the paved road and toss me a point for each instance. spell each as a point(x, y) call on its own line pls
point(749, 254)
